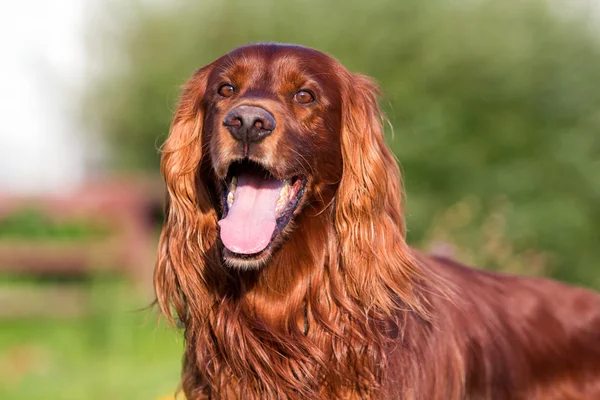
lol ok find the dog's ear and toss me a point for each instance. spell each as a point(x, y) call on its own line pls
point(371, 178)
point(369, 219)
point(190, 225)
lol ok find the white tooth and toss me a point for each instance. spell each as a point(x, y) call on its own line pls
point(230, 199)
point(285, 190)
point(233, 184)
point(283, 197)
point(281, 202)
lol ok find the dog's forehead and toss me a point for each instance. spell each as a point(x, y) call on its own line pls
point(273, 65)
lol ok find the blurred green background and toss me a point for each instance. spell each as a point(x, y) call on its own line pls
point(496, 114)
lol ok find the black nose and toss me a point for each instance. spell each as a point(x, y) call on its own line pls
point(249, 123)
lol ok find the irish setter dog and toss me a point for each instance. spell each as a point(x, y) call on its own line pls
point(283, 256)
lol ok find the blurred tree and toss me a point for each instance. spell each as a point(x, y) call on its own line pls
point(493, 101)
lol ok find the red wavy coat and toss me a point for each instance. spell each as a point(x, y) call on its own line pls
point(335, 304)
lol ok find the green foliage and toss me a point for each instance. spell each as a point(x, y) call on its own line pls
point(490, 100)
point(32, 224)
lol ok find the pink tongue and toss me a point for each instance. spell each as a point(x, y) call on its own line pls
point(250, 223)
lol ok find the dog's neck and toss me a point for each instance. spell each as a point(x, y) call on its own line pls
point(291, 321)
point(284, 282)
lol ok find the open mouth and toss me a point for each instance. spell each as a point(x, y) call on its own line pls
point(256, 207)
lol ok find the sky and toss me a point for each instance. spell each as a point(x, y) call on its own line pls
point(41, 67)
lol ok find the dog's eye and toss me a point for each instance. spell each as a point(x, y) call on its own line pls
point(226, 90)
point(303, 97)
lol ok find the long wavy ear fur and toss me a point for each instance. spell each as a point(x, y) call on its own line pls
point(190, 224)
point(368, 215)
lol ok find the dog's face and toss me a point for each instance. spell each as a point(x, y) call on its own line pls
point(271, 141)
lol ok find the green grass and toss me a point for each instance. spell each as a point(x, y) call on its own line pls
point(113, 352)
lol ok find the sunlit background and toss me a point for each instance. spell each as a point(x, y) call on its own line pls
point(496, 114)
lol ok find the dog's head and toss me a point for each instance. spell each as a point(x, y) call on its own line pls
point(266, 137)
